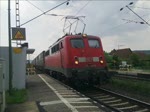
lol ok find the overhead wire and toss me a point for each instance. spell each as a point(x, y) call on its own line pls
point(34, 6)
point(129, 21)
point(119, 25)
point(138, 15)
point(45, 12)
point(113, 15)
point(140, 7)
point(78, 17)
point(83, 7)
point(125, 22)
point(102, 34)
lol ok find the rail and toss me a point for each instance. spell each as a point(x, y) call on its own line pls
point(118, 102)
point(131, 75)
point(139, 76)
point(2, 85)
point(111, 100)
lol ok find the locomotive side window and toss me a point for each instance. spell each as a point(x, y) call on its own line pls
point(61, 45)
point(77, 43)
point(47, 53)
point(55, 48)
point(93, 43)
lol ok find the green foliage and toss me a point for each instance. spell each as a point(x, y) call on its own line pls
point(108, 57)
point(116, 61)
point(137, 87)
point(113, 62)
point(139, 63)
point(135, 60)
point(16, 96)
point(109, 60)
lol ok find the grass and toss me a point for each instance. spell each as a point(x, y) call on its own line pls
point(137, 87)
point(16, 96)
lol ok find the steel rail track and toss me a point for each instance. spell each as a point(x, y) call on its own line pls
point(107, 107)
point(130, 77)
point(113, 101)
point(118, 102)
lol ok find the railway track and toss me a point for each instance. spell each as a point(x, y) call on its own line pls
point(143, 77)
point(131, 77)
point(117, 102)
point(112, 101)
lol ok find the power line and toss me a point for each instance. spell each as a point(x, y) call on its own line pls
point(83, 7)
point(134, 12)
point(34, 6)
point(45, 12)
point(138, 16)
point(133, 21)
point(114, 27)
point(140, 7)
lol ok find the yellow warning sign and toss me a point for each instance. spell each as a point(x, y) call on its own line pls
point(18, 35)
point(17, 50)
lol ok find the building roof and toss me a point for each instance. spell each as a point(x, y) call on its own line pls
point(30, 51)
point(142, 51)
point(122, 53)
point(141, 55)
point(126, 53)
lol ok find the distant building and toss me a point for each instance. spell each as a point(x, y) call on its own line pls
point(122, 53)
point(126, 53)
point(143, 54)
point(147, 52)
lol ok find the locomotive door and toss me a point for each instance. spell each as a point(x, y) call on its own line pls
point(61, 55)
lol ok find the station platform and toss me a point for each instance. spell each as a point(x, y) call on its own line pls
point(37, 92)
point(47, 95)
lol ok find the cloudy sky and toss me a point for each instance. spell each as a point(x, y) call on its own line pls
point(117, 29)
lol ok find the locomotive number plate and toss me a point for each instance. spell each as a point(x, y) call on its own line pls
point(89, 59)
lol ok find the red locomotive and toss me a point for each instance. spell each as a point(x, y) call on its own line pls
point(76, 57)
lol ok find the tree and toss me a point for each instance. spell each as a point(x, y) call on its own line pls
point(116, 61)
point(109, 60)
point(108, 57)
point(134, 59)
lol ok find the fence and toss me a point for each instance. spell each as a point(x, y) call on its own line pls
point(2, 85)
point(30, 71)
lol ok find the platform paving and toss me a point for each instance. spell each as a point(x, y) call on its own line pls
point(37, 92)
point(47, 95)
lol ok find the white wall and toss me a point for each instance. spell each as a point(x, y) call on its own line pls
point(19, 67)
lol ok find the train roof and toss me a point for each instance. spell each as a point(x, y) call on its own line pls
point(75, 35)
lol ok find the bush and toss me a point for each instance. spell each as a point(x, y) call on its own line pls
point(16, 96)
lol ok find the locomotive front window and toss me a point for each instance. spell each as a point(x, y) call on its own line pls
point(93, 43)
point(77, 43)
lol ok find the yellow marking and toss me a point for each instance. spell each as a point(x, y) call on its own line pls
point(19, 35)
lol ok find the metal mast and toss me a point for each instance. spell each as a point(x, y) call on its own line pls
point(17, 19)
point(10, 49)
point(17, 14)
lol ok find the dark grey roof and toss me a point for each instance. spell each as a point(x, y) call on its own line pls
point(30, 51)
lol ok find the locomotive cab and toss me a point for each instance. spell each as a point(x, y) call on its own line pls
point(77, 57)
point(86, 58)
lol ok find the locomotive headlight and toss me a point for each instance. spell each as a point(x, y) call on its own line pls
point(76, 62)
point(101, 61)
point(84, 35)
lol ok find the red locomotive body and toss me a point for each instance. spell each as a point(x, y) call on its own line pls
point(77, 57)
